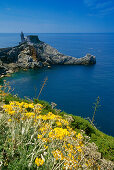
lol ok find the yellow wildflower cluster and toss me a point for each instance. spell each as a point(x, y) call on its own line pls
point(22, 110)
point(58, 155)
point(58, 133)
point(54, 138)
point(39, 161)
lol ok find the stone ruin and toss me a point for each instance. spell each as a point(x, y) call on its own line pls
point(31, 39)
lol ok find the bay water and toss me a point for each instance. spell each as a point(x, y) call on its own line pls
point(73, 88)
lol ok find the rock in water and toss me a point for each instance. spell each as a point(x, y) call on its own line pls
point(33, 53)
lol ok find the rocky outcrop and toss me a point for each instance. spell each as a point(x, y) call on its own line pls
point(35, 55)
point(50, 55)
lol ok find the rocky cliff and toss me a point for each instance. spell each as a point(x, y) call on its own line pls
point(35, 55)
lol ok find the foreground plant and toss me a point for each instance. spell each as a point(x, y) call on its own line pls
point(32, 140)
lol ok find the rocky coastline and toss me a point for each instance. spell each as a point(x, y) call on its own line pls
point(32, 53)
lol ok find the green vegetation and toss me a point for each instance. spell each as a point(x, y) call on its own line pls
point(36, 135)
point(104, 142)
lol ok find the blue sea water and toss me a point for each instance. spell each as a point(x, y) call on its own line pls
point(73, 88)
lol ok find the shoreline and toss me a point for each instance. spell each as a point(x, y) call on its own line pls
point(32, 53)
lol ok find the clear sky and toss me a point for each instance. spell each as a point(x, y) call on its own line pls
point(57, 16)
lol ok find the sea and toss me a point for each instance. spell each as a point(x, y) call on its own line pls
point(74, 88)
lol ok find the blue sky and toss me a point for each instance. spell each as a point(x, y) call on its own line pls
point(57, 16)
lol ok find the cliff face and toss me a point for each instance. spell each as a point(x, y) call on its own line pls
point(35, 55)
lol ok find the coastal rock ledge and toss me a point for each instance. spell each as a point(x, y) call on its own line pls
point(33, 53)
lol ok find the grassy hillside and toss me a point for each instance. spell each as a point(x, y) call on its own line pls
point(61, 130)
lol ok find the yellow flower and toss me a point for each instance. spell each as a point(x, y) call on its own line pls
point(79, 136)
point(39, 161)
point(58, 133)
point(59, 123)
point(7, 106)
point(29, 114)
point(39, 136)
point(9, 120)
point(11, 112)
point(70, 155)
point(31, 105)
point(46, 147)
point(58, 154)
point(21, 104)
point(79, 148)
point(45, 139)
